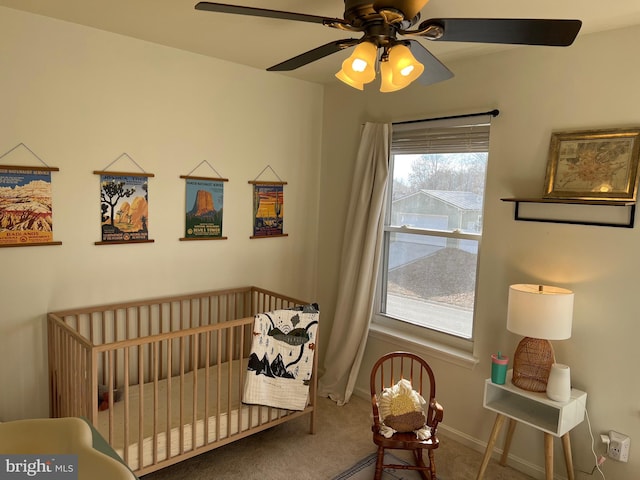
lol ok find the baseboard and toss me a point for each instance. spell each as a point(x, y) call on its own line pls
point(515, 462)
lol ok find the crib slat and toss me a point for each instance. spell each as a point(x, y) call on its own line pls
point(181, 399)
point(63, 380)
point(230, 376)
point(156, 362)
point(77, 380)
point(51, 358)
point(110, 374)
point(240, 384)
point(93, 368)
point(141, 434)
point(207, 385)
point(229, 379)
point(126, 404)
point(194, 371)
point(218, 383)
point(169, 395)
point(161, 330)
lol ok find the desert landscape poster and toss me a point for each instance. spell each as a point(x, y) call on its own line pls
point(25, 206)
point(124, 209)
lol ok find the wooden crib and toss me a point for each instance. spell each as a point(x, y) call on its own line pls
point(162, 379)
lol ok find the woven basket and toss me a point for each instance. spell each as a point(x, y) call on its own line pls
point(532, 364)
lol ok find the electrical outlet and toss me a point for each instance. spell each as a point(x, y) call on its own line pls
point(619, 446)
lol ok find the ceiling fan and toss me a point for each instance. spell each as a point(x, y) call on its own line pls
point(401, 61)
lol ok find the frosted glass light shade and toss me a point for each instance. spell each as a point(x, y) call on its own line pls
point(397, 71)
point(343, 77)
point(386, 78)
point(540, 311)
point(405, 67)
point(359, 68)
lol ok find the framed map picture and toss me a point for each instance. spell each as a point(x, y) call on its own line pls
point(595, 164)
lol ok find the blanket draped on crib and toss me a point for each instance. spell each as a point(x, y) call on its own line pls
point(281, 358)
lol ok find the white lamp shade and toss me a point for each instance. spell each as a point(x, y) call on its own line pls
point(539, 311)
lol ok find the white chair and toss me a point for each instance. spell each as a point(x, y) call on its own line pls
point(51, 436)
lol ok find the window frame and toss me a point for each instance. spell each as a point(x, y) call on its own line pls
point(447, 346)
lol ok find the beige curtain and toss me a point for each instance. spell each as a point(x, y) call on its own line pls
point(359, 264)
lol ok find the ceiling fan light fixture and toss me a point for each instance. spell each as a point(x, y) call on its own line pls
point(343, 77)
point(359, 68)
point(405, 67)
point(381, 21)
point(386, 78)
point(399, 70)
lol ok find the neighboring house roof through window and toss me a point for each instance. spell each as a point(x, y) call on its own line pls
point(461, 200)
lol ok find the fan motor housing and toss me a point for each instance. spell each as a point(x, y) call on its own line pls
point(360, 13)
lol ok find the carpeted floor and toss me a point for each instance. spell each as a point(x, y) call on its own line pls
point(343, 438)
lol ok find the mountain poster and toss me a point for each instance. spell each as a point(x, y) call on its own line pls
point(204, 208)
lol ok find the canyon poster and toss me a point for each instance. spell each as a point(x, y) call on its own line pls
point(268, 210)
point(124, 208)
point(25, 206)
point(204, 208)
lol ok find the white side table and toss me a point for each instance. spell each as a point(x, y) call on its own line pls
point(555, 419)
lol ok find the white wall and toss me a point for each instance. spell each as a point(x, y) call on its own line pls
point(79, 98)
point(593, 84)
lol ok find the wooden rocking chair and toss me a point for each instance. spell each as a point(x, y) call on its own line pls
point(387, 371)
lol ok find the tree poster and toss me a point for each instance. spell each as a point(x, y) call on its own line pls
point(268, 209)
point(204, 208)
point(124, 214)
point(25, 206)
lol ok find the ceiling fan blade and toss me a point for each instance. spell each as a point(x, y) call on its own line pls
point(522, 31)
point(313, 55)
point(410, 8)
point(262, 12)
point(434, 70)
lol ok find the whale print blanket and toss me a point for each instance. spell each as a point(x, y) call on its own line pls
point(281, 361)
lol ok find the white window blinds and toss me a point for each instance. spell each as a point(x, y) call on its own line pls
point(447, 135)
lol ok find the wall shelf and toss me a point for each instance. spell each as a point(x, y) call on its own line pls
point(603, 213)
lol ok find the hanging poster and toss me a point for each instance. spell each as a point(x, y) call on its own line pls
point(25, 206)
point(204, 208)
point(124, 207)
point(268, 209)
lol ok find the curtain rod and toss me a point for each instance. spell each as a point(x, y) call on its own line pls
point(493, 113)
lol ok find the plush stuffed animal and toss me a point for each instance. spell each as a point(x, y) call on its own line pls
point(402, 410)
point(103, 396)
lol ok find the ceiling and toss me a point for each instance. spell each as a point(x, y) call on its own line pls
point(262, 42)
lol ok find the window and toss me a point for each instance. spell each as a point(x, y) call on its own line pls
point(433, 227)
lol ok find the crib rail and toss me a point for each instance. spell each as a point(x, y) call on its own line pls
point(170, 372)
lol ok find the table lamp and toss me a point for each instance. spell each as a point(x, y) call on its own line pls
point(540, 313)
